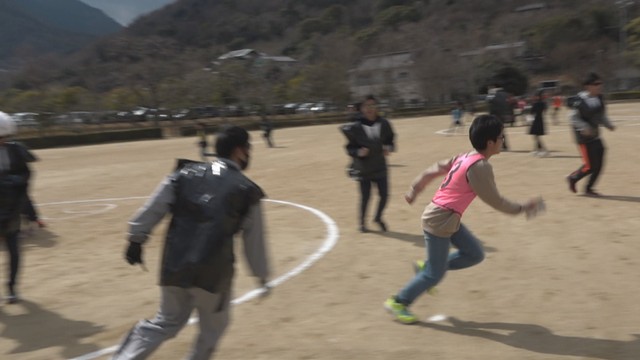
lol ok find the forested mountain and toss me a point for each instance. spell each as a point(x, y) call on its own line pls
point(30, 28)
point(159, 59)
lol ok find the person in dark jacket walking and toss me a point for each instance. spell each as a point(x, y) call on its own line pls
point(14, 181)
point(370, 140)
point(267, 128)
point(538, 109)
point(589, 113)
point(500, 107)
point(209, 203)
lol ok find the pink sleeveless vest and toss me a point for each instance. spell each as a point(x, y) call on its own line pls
point(455, 193)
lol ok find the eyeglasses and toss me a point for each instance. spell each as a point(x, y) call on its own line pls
point(501, 137)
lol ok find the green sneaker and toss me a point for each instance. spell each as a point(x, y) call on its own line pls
point(418, 266)
point(399, 311)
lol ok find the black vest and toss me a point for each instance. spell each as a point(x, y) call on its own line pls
point(13, 187)
point(212, 200)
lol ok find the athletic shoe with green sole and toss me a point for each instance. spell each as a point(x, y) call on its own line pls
point(418, 266)
point(399, 311)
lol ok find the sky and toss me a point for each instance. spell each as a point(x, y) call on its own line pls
point(125, 11)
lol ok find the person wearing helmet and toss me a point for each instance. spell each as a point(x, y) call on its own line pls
point(14, 178)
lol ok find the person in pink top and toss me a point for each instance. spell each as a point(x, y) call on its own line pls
point(467, 175)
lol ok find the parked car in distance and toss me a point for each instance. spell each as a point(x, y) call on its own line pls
point(304, 108)
point(25, 119)
point(323, 106)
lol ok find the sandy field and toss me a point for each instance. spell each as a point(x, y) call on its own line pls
point(561, 286)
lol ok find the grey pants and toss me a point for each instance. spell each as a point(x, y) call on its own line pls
point(175, 309)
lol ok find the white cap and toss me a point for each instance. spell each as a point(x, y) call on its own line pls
point(7, 125)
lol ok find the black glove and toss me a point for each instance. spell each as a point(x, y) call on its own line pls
point(134, 253)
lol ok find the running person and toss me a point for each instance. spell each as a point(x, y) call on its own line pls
point(209, 203)
point(588, 114)
point(467, 175)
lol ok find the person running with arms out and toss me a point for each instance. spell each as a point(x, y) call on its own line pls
point(209, 203)
point(467, 175)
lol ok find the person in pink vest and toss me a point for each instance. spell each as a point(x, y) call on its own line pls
point(467, 175)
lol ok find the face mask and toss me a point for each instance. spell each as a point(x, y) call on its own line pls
point(244, 163)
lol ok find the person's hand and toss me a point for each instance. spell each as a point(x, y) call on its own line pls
point(586, 131)
point(410, 196)
point(363, 151)
point(534, 207)
point(265, 287)
point(133, 254)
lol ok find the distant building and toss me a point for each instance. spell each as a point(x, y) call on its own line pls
point(258, 59)
point(390, 76)
point(531, 7)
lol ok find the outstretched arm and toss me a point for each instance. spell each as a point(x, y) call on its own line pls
point(482, 182)
point(152, 212)
point(418, 184)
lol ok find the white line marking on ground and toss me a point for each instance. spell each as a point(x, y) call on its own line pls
point(330, 241)
point(437, 318)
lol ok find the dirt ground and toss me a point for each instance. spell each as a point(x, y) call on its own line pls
point(561, 286)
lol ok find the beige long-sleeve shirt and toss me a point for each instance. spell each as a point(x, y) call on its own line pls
point(444, 222)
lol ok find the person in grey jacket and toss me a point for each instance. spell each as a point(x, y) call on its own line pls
point(588, 114)
point(209, 203)
point(370, 140)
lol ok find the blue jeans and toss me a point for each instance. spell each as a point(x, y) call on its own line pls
point(469, 252)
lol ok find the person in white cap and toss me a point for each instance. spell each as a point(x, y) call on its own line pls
point(14, 179)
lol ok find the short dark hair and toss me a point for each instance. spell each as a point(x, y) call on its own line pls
point(370, 97)
point(484, 128)
point(229, 138)
point(591, 79)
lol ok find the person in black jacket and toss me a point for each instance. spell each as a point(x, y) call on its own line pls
point(370, 140)
point(209, 203)
point(537, 129)
point(589, 113)
point(500, 107)
point(14, 180)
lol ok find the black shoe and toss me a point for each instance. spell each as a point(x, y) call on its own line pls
point(12, 298)
point(592, 193)
point(363, 229)
point(382, 225)
point(572, 184)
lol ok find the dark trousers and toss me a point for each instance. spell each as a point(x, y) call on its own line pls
point(11, 240)
point(365, 194)
point(592, 158)
point(29, 210)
